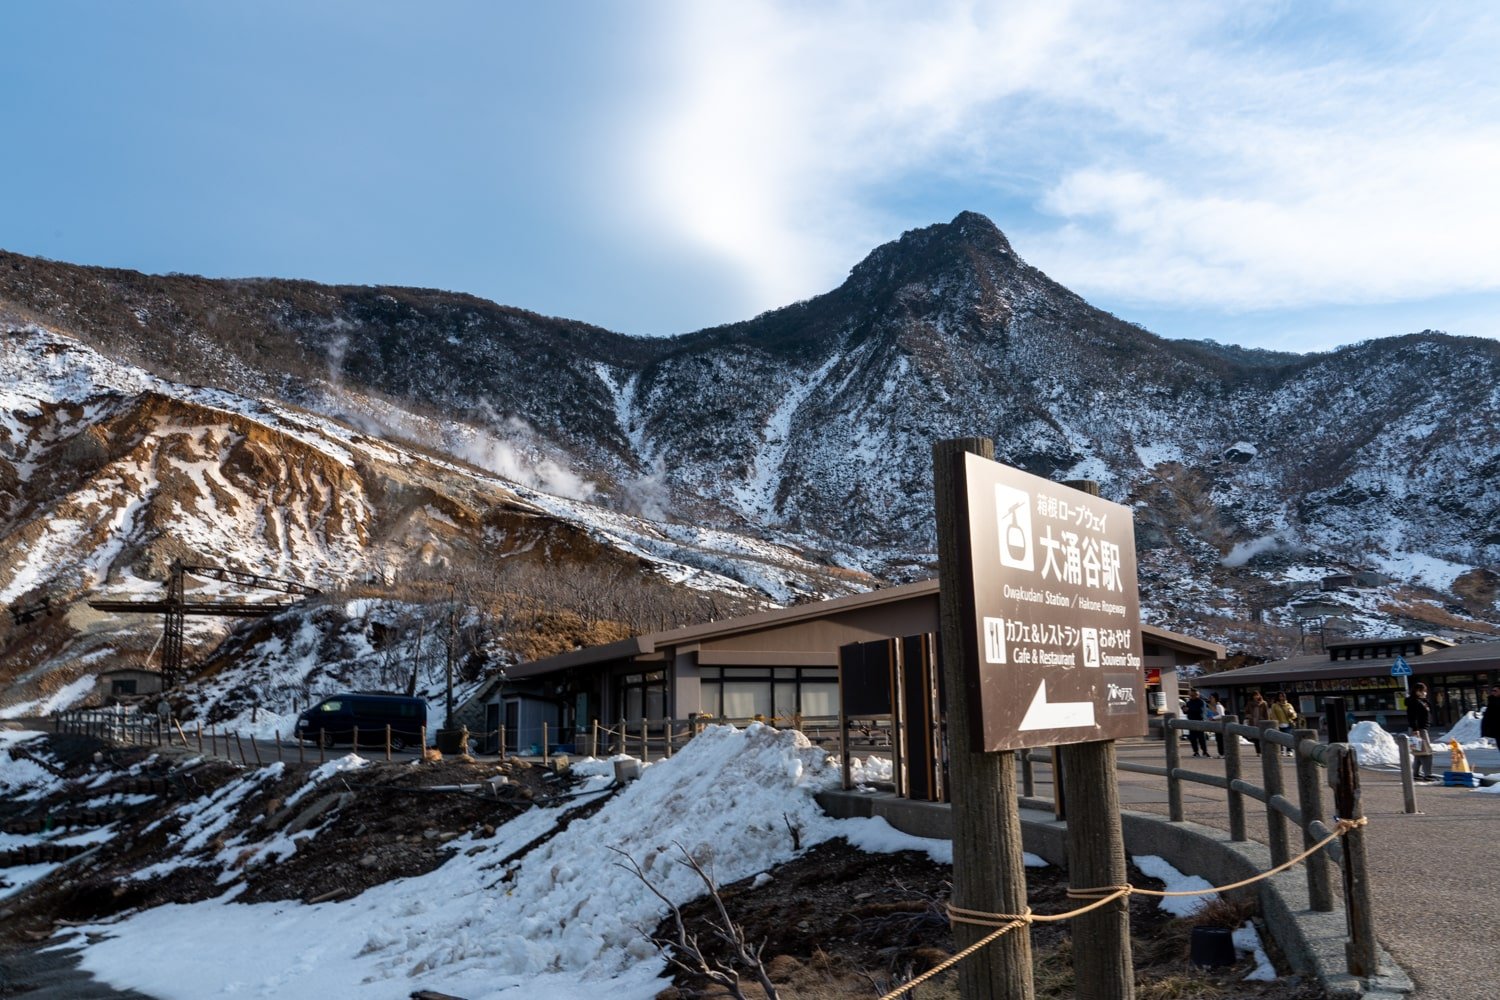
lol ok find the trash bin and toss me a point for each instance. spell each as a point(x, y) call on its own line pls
point(1212, 946)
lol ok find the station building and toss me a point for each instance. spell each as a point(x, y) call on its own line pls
point(777, 665)
point(1457, 675)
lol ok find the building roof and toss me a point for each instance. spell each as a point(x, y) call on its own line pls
point(1464, 658)
point(1185, 648)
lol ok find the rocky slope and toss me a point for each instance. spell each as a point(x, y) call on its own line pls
point(1253, 474)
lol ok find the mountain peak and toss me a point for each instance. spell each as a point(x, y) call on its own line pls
point(936, 251)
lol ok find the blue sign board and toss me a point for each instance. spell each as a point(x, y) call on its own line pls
point(1400, 668)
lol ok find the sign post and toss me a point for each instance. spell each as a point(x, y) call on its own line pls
point(989, 872)
point(1043, 580)
point(1400, 668)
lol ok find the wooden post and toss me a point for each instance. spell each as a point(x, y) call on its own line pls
point(1310, 802)
point(667, 730)
point(988, 870)
point(387, 742)
point(594, 746)
point(180, 733)
point(1360, 951)
point(355, 748)
point(198, 726)
point(502, 743)
point(1174, 761)
point(424, 741)
point(322, 749)
point(244, 761)
point(213, 743)
point(1059, 786)
point(463, 740)
point(645, 750)
point(1271, 781)
point(546, 757)
point(255, 750)
point(1231, 775)
point(1104, 969)
point(301, 751)
point(1028, 775)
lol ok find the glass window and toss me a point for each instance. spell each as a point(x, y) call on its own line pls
point(744, 699)
point(757, 672)
point(820, 699)
point(708, 673)
point(332, 706)
point(786, 673)
point(786, 699)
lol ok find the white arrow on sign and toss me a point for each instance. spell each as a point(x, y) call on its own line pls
point(1044, 714)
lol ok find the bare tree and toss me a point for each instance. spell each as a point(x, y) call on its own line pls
point(683, 951)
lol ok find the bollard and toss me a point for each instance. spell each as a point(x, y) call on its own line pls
point(1028, 774)
point(387, 742)
point(1408, 779)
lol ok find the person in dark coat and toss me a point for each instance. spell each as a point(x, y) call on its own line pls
point(1193, 709)
point(1418, 718)
point(1489, 726)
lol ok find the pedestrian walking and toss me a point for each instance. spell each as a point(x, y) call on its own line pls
point(1213, 711)
point(1193, 708)
point(1489, 726)
point(1418, 719)
point(1256, 714)
point(1284, 714)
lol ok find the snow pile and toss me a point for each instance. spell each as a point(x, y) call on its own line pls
point(1466, 731)
point(863, 770)
point(564, 920)
point(1375, 746)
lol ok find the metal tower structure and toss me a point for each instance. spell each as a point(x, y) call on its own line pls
point(175, 607)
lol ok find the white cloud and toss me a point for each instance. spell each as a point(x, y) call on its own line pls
point(1230, 157)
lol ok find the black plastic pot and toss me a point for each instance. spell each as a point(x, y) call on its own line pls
point(1212, 946)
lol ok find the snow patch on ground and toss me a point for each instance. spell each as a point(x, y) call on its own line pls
point(562, 921)
point(60, 700)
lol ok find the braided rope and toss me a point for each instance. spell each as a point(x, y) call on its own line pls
point(1100, 896)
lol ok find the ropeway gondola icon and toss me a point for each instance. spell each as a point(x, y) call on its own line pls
point(1013, 524)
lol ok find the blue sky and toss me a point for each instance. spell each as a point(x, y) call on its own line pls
point(1285, 175)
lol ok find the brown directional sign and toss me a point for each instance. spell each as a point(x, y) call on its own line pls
point(1056, 638)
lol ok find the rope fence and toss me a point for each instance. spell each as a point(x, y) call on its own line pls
point(1004, 923)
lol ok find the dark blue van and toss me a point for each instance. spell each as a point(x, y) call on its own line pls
point(333, 720)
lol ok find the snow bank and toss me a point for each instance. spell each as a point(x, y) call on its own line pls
point(60, 700)
point(564, 921)
point(1376, 747)
point(1466, 731)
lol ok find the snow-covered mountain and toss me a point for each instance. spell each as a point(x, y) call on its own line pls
point(756, 450)
point(109, 473)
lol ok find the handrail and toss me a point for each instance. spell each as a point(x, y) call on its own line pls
point(1312, 761)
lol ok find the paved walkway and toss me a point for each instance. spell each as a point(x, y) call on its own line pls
point(1435, 874)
